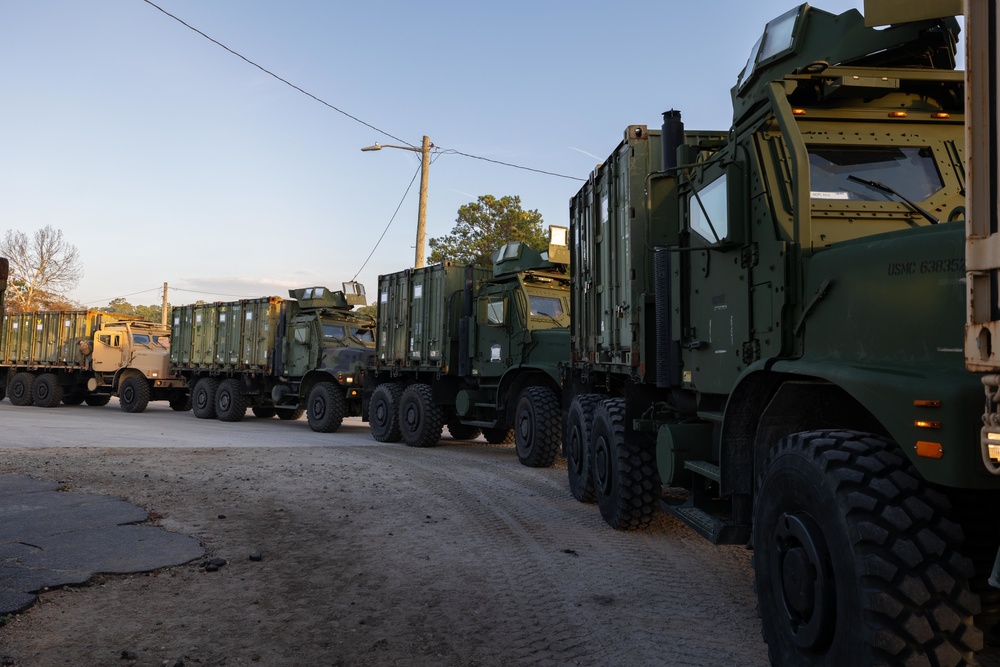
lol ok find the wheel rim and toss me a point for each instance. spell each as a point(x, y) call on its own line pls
point(411, 416)
point(602, 465)
point(574, 451)
point(525, 427)
point(128, 394)
point(201, 398)
point(225, 400)
point(802, 579)
point(17, 389)
point(319, 408)
point(43, 390)
point(380, 413)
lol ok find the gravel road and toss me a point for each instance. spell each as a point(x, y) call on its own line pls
point(369, 554)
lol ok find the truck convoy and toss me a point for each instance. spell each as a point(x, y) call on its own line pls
point(767, 323)
point(276, 356)
point(86, 356)
point(474, 349)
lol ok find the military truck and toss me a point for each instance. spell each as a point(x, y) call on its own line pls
point(86, 356)
point(277, 356)
point(766, 341)
point(476, 349)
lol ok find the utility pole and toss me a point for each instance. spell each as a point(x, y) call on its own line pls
point(425, 167)
point(163, 309)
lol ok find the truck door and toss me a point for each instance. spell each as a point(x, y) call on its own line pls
point(494, 314)
point(109, 348)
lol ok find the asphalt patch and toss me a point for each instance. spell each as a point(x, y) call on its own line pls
point(53, 538)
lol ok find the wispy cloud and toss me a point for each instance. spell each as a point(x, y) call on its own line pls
point(578, 150)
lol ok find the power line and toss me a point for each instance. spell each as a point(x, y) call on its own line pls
point(341, 111)
point(270, 73)
point(123, 296)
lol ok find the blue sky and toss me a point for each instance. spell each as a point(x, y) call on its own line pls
point(164, 158)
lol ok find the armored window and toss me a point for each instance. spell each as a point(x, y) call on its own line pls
point(709, 211)
point(105, 339)
point(140, 339)
point(334, 331)
point(546, 306)
point(909, 170)
point(492, 311)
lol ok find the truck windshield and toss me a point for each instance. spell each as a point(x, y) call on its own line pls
point(909, 170)
point(546, 305)
point(334, 331)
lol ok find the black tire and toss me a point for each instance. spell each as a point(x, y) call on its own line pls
point(133, 394)
point(180, 402)
point(326, 407)
point(20, 389)
point(46, 392)
point(855, 560)
point(460, 431)
point(262, 412)
point(576, 445)
point(537, 427)
point(420, 421)
point(383, 412)
point(97, 400)
point(499, 436)
point(75, 398)
point(290, 414)
point(626, 482)
point(230, 403)
point(203, 398)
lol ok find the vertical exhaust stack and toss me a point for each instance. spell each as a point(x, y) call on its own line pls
point(672, 138)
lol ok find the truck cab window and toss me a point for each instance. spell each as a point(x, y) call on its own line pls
point(709, 211)
point(334, 331)
point(542, 306)
point(493, 311)
point(909, 170)
point(140, 339)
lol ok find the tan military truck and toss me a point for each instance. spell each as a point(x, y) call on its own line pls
point(86, 356)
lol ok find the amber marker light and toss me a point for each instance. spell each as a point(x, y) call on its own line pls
point(930, 450)
point(920, 423)
point(941, 115)
point(798, 112)
point(897, 114)
point(926, 403)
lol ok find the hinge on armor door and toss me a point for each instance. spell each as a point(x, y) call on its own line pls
point(751, 352)
point(749, 256)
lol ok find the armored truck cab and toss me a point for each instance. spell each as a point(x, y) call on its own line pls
point(276, 356)
point(474, 349)
point(767, 340)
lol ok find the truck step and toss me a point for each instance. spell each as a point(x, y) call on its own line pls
point(710, 527)
point(705, 469)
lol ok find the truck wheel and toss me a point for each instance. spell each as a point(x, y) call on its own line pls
point(855, 561)
point(420, 421)
point(203, 398)
point(290, 414)
point(537, 427)
point(383, 412)
point(576, 443)
point(230, 403)
point(461, 431)
point(133, 394)
point(46, 392)
point(626, 482)
point(20, 389)
point(261, 412)
point(97, 400)
point(181, 403)
point(326, 407)
point(499, 436)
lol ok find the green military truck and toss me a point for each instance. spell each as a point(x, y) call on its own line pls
point(86, 356)
point(476, 349)
point(276, 356)
point(767, 340)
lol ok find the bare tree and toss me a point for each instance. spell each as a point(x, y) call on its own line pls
point(42, 269)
